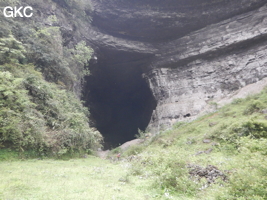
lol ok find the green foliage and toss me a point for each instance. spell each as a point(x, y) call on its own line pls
point(237, 101)
point(8, 155)
point(57, 63)
point(46, 52)
point(49, 48)
point(248, 187)
point(231, 133)
point(134, 150)
point(254, 106)
point(9, 3)
point(116, 150)
point(168, 169)
point(20, 125)
point(255, 129)
point(82, 53)
point(250, 181)
point(39, 115)
point(178, 124)
point(253, 146)
point(141, 134)
point(11, 50)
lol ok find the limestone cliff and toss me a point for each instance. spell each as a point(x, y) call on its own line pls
point(191, 52)
point(208, 65)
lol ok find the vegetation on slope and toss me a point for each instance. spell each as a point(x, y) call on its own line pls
point(51, 38)
point(40, 116)
point(40, 78)
point(218, 156)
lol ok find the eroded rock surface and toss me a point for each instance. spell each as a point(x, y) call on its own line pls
point(161, 21)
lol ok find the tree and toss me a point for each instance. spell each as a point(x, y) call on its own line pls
point(11, 50)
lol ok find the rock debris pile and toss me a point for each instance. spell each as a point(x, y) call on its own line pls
point(211, 173)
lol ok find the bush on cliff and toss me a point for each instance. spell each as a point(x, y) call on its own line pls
point(40, 116)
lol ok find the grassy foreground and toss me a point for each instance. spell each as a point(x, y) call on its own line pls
point(89, 178)
point(219, 156)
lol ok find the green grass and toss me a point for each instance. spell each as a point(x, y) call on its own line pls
point(6, 154)
point(158, 169)
point(89, 178)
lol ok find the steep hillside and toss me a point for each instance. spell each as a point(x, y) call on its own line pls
point(221, 155)
point(42, 66)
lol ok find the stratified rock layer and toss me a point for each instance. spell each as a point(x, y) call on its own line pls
point(208, 65)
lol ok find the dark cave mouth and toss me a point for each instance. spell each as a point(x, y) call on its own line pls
point(118, 96)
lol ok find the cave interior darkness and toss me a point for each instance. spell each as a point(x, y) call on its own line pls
point(118, 96)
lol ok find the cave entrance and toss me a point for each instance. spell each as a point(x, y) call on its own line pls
point(119, 98)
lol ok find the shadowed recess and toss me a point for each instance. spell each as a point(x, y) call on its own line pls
point(119, 97)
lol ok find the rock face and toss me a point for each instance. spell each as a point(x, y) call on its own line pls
point(208, 65)
point(193, 52)
point(161, 21)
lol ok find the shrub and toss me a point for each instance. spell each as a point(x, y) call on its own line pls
point(237, 101)
point(134, 150)
point(233, 132)
point(11, 50)
point(141, 134)
point(168, 169)
point(254, 106)
point(21, 124)
point(256, 129)
point(116, 150)
point(39, 115)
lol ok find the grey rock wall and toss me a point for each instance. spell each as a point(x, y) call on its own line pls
point(161, 21)
point(220, 59)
